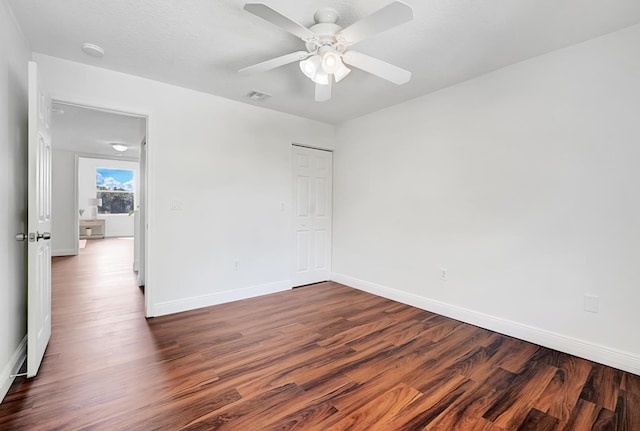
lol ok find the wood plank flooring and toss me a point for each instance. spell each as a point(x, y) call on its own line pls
point(323, 357)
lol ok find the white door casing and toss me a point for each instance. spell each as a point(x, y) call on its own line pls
point(39, 222)
point(312, 214)
point(141, 218)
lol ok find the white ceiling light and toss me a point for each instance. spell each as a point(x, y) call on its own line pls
point(119, 147)
point(321, 77)
point(331, 62)
point(92, 50)
point(310, 66)
point(333, 65)
point(314, 70)
point(341, 72)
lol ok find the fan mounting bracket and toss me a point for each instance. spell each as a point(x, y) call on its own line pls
point(326, 15)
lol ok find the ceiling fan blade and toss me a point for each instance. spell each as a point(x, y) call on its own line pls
point(323, 92)
point(276, 62)
point(377, 67)
point(263, 11)
point(391, 15)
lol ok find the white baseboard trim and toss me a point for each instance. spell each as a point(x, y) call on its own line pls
point(177, 306)
point(577, 347)
point(12, 368)
point(64, 252)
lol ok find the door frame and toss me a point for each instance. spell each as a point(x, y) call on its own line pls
point(144, 202)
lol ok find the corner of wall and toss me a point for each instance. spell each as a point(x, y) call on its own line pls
point(573, 346)
point(11, 369)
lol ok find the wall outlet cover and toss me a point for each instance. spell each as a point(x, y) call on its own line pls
point(176, 205)
point(591, 303)
point(443, 274)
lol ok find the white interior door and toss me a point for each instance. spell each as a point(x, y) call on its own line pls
point(312, 198)
point(39, 223)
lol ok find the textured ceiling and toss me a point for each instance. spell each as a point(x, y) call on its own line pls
point(200, 44)
point(91, 131)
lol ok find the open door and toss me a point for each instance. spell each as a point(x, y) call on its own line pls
point(39, 222)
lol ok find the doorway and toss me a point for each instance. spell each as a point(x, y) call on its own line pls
point(88, 142)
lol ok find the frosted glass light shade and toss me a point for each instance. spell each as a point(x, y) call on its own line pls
point(321, 77)
point(320, 69)
point(310, 66)
point(331, 62)
point(341, 72)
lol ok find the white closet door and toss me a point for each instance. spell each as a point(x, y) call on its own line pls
point(312, 187)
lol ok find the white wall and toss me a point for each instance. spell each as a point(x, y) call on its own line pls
point(228, 163)
point(115, 224)
point(14, 54)
point(522, 183)
point(63, 216)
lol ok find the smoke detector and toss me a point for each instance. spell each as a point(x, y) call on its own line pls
point(92, 50)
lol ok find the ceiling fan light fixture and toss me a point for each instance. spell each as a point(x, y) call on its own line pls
point(331, 62)
point(328, 45)
point(312, 69)
point(321, 77)
point(341, 72)
point(310, 66)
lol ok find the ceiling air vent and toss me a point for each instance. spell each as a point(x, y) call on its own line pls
point(258, 95)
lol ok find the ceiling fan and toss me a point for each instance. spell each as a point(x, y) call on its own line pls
point(327, 45)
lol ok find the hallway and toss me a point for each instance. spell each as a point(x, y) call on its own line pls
point(98, 331)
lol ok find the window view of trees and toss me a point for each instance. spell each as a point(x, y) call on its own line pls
point(115, 202)
point(116, 189)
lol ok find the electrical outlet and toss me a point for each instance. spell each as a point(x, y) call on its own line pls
point(443, 274)
point(591, 303)
point(236, 264)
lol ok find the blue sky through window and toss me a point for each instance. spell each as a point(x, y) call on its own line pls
point(112, 179)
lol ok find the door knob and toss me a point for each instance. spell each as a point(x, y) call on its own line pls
point(33, 237)
point(44, 235)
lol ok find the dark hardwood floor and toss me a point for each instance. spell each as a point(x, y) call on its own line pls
point(322, 357)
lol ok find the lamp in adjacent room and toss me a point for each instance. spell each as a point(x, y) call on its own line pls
point(93, 204)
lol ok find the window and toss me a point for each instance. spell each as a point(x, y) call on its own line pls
point(115, 188)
